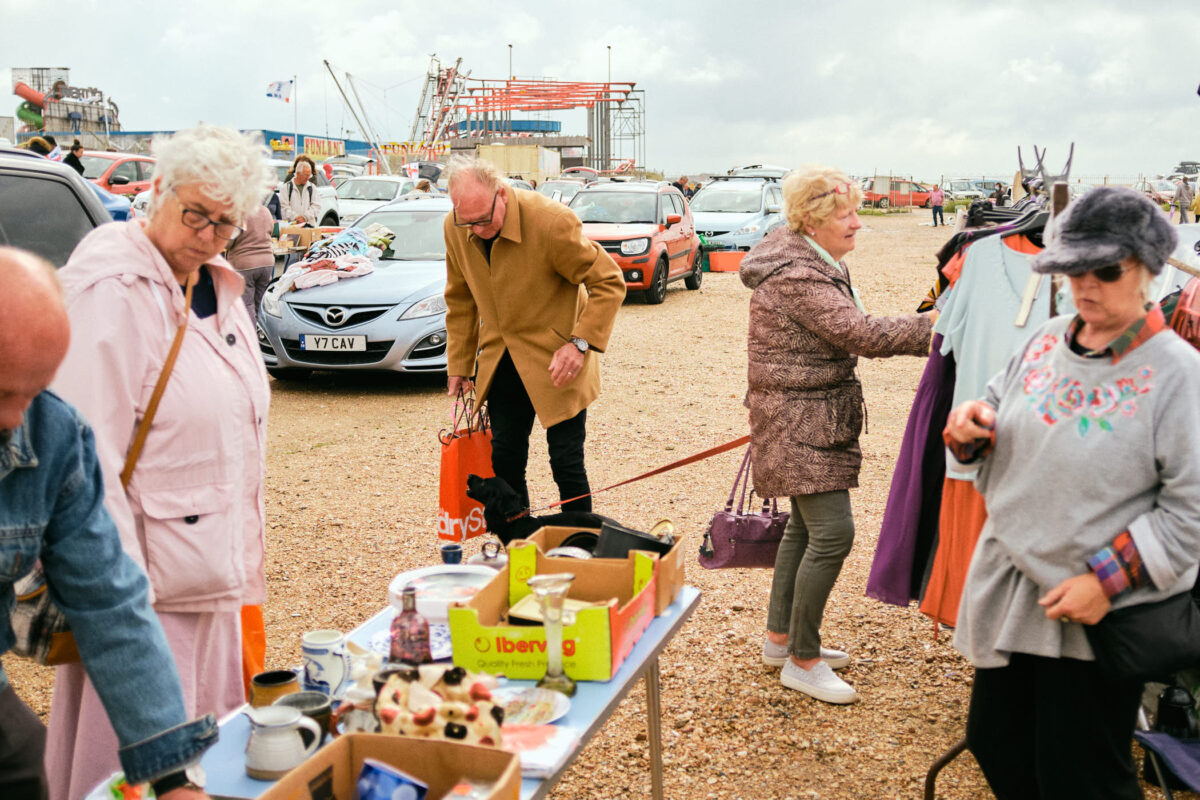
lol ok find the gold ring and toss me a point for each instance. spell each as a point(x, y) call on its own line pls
point(1064, 618)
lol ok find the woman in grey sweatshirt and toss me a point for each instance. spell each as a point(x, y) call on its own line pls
point(1088, 445)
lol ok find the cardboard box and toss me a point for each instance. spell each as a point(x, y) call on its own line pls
point(725, 260)
point(331, 772)
point(670, 572)
point(623, 593)
point(296, 237)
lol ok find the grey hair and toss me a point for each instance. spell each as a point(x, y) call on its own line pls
point(459, 167)
point(231, 167)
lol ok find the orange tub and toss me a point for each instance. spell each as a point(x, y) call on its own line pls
point(725, 260)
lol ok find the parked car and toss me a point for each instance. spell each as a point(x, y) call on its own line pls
point(350, 166)
point(330, 213)
point(118, 206)
point(882, 192)
point(647, 228)
point(393, 319)
point(356, 196)
point(1160, 191)
point(45, 206)
point(119, 173)
point(962, 189)
point(1188, 168)
point(519, 183)
point(760, 171)
point(566, 189)
point(735, 212)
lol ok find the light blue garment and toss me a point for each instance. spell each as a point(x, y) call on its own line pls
point(52, 508)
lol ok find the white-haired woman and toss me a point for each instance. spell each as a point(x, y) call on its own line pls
point(192, 513)
point(807, 330)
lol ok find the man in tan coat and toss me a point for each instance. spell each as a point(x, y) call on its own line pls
point(530, 302)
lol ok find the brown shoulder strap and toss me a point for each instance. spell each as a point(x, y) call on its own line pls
point(135, 450)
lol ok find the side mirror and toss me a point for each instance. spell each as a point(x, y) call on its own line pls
point(118, 180)
point(774, 208)
point(673, 219)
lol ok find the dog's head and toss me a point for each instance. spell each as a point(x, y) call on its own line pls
point(497, 496)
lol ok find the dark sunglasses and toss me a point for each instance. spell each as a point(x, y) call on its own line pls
point(841, 188)
point(472, 223)
point(1110, 274)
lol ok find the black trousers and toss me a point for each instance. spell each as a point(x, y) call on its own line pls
point(22, 745)
point(512, 418)
point(1054, 727)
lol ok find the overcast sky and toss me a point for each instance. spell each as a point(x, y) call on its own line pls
point(900, 86)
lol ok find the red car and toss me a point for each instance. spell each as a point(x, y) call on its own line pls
point(883, 192)
point(646, 226)
point(119, 173)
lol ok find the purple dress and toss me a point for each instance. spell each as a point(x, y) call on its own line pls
point(908, 536)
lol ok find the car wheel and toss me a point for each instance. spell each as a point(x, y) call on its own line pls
point(330, 220)
point(692, 281)
point(658, 284)
point(928, 203)
point(284, 374)
point(883, 202)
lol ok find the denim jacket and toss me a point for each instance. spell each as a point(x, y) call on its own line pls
point(52, 508)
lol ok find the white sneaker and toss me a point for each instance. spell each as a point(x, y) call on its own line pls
point(776, 655)
point(818, 682)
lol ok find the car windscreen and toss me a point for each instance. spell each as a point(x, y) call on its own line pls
point(42, 215)
point(94, 166)
point(367, 190)
point(568, 188)
point(1163, 186)
point(616, 207)
point(730, 198)
point(418, 234)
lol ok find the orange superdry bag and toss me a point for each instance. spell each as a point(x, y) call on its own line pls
point(466, 450)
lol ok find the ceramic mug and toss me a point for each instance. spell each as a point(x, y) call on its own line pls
point(325, 661)
point(452, 553)
point(317, 706)
point(267, 687)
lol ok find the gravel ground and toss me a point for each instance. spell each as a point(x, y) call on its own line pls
point(352, 496)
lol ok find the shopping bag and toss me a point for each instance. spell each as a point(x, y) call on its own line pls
point(466, 450)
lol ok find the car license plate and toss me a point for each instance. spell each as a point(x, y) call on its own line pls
point(311, 342)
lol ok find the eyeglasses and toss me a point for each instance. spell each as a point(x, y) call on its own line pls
point(1110, 274)
point(841, 188)
point(198, 222)
point(472, 223)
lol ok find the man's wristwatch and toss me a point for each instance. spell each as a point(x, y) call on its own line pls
point(580, 344)
point(191, 777)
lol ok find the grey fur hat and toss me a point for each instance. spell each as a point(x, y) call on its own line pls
point(1104, 226)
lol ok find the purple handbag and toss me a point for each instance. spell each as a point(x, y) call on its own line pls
point(743, 538)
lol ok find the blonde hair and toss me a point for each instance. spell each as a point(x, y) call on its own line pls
point(810, 198)
point(230, 167)
point(459, 167)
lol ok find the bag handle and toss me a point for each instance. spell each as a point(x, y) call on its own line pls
point(742, 470)
point(465, 416)
point(135, 450)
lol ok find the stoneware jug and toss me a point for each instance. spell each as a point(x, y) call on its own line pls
point(326, 662)
point(280, 738)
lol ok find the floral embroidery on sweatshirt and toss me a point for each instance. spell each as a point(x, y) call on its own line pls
point(1057, 398)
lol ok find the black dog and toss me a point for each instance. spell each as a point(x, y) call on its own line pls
point(508, 518)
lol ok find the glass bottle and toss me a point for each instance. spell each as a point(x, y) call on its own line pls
point(551, 590)
point(410, 632)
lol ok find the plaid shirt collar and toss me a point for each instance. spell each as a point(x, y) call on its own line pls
point(1135, 335)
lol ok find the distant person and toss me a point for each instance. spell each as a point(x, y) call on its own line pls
point(423, 187)
point(51, 496)
point(681, 184)
point(1183, 199)
point(251, 255)
point(998, 195)
point(298, 201)
point(72, 160)
point(937, 199)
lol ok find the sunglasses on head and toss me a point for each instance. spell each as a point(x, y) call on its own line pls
point(1110, 274)
point(840, 188)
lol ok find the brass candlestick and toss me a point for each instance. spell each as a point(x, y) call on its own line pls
point(551, 591)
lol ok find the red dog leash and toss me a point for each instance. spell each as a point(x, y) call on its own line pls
point(683, 462)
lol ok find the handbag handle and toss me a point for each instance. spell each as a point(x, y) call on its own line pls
point(743, 480)
point(139, 440)
point(465, 416)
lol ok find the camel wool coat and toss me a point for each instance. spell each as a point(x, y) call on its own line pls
point(806, 333)
point(546, 283)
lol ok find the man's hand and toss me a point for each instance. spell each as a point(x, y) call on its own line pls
point(300, 220)
point(184, 793)
point(1077, 599)
point(457, 383)
point(565, 364)
point(970, 421)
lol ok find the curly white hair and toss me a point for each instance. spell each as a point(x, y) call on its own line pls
point(231, 167)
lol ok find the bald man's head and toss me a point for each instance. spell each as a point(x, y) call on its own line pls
point(34, 332)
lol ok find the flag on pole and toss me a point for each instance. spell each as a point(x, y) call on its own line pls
point(281, 90)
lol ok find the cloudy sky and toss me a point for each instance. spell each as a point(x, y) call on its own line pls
point(901, 86)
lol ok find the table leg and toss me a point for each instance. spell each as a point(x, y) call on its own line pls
point(654, 730)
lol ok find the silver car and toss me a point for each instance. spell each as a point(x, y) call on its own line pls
point(393, 319)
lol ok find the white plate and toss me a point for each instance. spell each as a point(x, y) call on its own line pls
point(439, 586)
point(311, 342)
point(531, 705)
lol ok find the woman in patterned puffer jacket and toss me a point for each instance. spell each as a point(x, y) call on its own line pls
point(807, 329)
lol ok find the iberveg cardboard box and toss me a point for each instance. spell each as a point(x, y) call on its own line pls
point(331, 772)
point(621, 593)
point(670, 572)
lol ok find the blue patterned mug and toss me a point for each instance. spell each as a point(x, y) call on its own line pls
point(326, 664)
